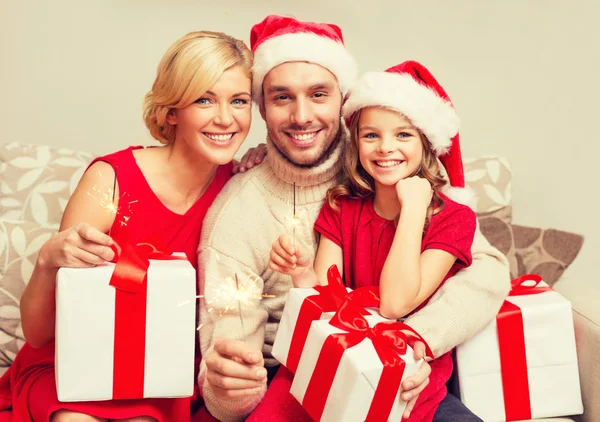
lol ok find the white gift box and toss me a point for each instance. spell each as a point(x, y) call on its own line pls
point(287, 324)
point(356, 379)
point(551, 361)
point(85, 331)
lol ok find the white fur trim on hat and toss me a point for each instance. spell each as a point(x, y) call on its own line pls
point(305, 47)
point(427, 111)
point(465, 196)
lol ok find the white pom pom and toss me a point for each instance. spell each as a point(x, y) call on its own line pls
point(465, 196)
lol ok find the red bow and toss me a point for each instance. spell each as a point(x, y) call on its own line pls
point(132, 263)
point(519, 288)
point(329, 299)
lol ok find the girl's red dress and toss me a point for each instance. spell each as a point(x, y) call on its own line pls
point(366, 239)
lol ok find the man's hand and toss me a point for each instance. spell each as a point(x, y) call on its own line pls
point(251, 158)
point(414, 384)
point(235, 370)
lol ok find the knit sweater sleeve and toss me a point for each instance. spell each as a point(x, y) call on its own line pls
point(226, 254)
point(466, 302)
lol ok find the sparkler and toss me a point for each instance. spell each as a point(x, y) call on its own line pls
point(231, 293)
point(294, 217)
point(108, 201)
point(295, 221)
point(237, 288)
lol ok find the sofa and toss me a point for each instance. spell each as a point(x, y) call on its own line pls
point(37, 180)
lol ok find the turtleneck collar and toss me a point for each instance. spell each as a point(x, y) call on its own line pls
point(306, 176)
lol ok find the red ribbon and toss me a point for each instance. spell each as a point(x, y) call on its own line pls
point(389, 340)
point(130, 281)
point(519, 288)
point(328, 300)
point(513, 357)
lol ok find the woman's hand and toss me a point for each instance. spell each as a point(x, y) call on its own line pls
point(251, 158)
point(80, 246)
point(289, 259)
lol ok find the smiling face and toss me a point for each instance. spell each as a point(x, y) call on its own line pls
point(301, 108)
point(390, 148)
point(216, 124)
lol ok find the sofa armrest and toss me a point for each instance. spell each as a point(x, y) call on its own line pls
point(584, 295)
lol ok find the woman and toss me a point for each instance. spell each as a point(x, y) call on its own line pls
point(200, 110)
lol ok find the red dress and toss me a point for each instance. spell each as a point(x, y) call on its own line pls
point(29, 385)
point(366, 239)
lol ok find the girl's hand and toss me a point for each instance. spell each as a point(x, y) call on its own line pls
point(80, 246)
point(415, 191)
point(287, 258)
point(251, 158)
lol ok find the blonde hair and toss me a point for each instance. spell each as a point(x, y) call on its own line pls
point(187, 70)
point(358, 183)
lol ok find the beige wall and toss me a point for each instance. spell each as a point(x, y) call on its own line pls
point(523, 76)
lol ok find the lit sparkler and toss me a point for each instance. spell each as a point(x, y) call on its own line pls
point(230, 293)
point(109, 203)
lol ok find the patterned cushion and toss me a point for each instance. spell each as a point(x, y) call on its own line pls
point(19, 246)
point(498, 230)
point(490, 179)
point(36, 181)
point(546, 252)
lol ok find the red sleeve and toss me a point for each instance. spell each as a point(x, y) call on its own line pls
point(452, 230)
point(329, 223)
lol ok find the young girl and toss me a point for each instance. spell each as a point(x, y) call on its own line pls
point(199, 109)
point(392, 222)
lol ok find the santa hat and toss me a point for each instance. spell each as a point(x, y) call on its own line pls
point(411, 89)
point(280, 39)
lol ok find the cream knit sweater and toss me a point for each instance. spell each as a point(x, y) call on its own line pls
point(251, 212)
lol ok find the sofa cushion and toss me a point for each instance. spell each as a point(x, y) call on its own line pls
point(497, 229)
point(528, 249)
point(546, 252)
point(490, 179)
point(20, 243)
point(36, 181)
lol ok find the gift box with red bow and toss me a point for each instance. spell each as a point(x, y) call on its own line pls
point(352, 367)
point(523, 365)
point(126, 331)
point(305, 305)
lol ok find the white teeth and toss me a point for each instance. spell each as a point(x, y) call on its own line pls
point(388, 163)
point(304, 137)
point(219, 138)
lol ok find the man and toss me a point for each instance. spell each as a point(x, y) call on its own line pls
point(301, 73)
